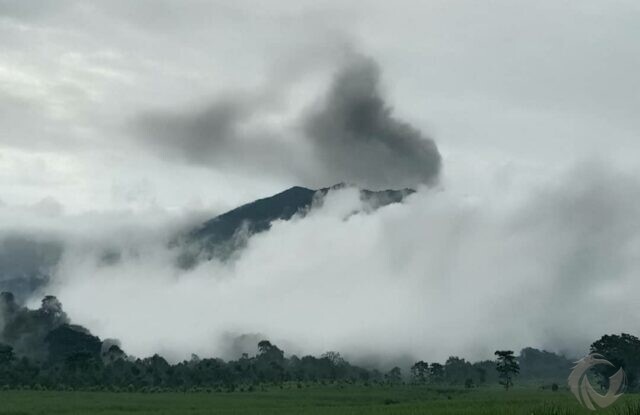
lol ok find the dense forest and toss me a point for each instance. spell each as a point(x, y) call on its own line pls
point(41, 349)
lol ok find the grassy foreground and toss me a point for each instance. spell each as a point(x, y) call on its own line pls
point(329, 399)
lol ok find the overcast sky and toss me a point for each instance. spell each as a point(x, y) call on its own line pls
point(525, 112)
point(533, 86)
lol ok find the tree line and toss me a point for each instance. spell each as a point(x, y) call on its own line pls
point(41, 349)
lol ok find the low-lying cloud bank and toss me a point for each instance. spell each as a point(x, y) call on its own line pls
point(439, 275)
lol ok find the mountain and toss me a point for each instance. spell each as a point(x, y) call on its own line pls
point(223, 235)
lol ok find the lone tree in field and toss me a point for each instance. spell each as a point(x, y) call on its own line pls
point(507, 367)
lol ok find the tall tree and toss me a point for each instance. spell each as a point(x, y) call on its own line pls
point(623, 351)
point(507, 367)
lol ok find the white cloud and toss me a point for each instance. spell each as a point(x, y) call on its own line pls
point(440, 274)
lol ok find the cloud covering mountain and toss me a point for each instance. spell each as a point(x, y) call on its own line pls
point(509, 269)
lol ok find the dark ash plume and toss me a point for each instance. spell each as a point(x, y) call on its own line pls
point(357, 138)
point(200, 137)
point(353, 137)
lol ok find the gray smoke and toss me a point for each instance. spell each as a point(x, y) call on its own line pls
point(357, 138)
point(213, 137)
point(27, 262)
point(199, 136)
point(351, 137)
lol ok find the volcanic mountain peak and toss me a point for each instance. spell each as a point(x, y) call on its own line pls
point(222, 235)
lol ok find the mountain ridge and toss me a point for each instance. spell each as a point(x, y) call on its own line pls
point(221, 236)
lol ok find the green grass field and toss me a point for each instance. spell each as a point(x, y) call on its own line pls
point(311, 400)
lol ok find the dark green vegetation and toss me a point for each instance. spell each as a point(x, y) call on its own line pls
point(48, 365)
point(41, 349)
point(622, 351)
point(332, 398)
